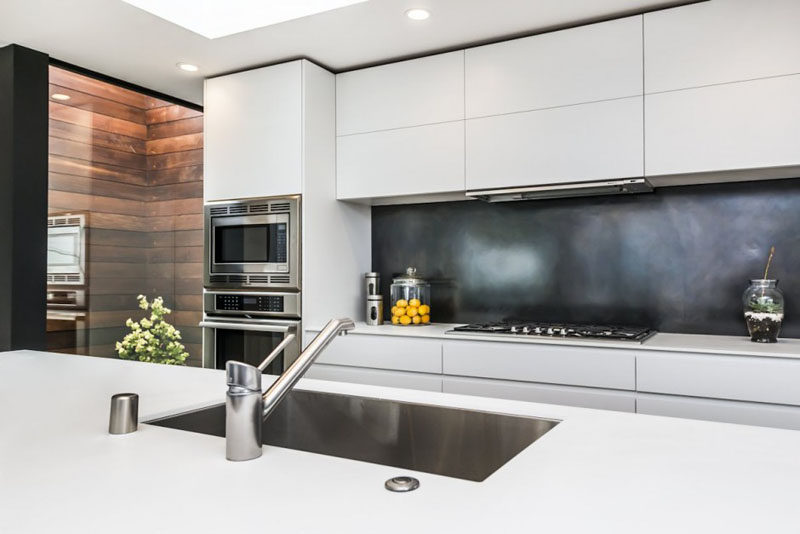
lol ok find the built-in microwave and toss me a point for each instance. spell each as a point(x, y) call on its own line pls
point(66, 250)
point(253, 243)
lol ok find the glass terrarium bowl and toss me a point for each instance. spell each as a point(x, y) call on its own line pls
point(763, 310)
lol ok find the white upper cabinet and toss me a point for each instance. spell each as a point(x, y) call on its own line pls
point(407, 161)
point(734, 126)
point(597, 141)
point(409, 93)
point(585, 64)
point(253, 124)
point(721, 41)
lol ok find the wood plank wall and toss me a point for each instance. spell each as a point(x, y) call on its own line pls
point(133, 164)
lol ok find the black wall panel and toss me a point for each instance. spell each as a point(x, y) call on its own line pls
point(677, 260)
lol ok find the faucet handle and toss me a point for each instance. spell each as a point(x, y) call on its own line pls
point(242, 375)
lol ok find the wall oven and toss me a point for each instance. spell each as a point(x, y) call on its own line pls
point(253, 243)
point(246, 326)
point(66, 250)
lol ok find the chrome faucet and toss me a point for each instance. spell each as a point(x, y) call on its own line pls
point(246, 408)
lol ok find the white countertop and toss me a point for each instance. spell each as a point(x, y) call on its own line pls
point(595, 472)
point(698, 343)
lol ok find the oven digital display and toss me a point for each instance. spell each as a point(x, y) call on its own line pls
point(256, 303)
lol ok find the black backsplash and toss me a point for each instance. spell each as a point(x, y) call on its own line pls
point(677, 260)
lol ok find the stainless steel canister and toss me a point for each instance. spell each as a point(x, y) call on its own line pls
point(374, 309)
point(372, 283)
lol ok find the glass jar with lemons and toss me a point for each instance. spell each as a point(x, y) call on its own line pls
point(410, 297)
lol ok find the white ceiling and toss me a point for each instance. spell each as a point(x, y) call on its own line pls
point(122, 41)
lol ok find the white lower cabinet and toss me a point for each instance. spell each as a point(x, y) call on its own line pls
point(542, 363)
point(601, 399)
point(746, 413)
point(376, 377)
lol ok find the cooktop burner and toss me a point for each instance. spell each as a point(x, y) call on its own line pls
point(556, 330)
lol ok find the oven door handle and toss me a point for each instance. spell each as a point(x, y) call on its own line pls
point(248, 327)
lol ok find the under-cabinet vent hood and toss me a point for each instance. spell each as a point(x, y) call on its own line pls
point(585, 189)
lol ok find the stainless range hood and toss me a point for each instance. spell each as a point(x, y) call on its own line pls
point(585, 189)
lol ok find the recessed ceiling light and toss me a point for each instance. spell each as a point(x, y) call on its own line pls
point(188, 67)
point(60, 96)
point(213, 18)
point(418, 14)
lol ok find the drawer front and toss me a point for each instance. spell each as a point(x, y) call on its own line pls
point(375, 377)
point(601, 399)
point(376, 352)
point(745, 413)
point(409, 93)
point(523, 362)
point(772, 380)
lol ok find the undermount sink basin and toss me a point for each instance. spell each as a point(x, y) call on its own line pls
point(452, 442)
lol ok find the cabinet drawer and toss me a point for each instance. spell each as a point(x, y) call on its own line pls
point(375, 377)
point(409, 161)
point(721, 41)
point(745, 413)
point(586, 64)
point(603, 140)
point(399, 95)
point(524, 362)
point(601, 399)
point(745, 125)
point(772, 380)
point(390, 352)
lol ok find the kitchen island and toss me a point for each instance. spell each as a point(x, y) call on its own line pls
point(597, 471)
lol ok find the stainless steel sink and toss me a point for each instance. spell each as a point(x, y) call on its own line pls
point(446, 441)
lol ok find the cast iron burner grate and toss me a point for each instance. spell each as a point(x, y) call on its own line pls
point(556, 330)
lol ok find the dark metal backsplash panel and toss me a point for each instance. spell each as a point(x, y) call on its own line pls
point(677, 260)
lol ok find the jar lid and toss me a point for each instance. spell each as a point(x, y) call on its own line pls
point(374, 298)
point(372, 275)
point(410, 277)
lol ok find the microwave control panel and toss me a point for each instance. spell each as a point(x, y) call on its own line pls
point(254, 303)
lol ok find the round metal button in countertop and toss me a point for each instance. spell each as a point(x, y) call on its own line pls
point(402, 484)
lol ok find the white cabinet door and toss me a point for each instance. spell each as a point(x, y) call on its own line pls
point(375, 377)
point(601, 399)
point(384, 352)
point(598, 141)
point(771, 380)
point(586, 64)
point(408, 161)
point(535, 362)
point(745, 413)
point(253, 133)
point(754, 124)
point(720, 41)
point(408, 93)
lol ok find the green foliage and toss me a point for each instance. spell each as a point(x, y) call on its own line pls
point(764, 304)
point(153, 340)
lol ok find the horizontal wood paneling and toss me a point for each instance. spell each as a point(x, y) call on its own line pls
point(72, 149)
point(99, 105)
point(89, 85)
point(175, 191)
point(175, 159)
point(81, 117)
point(175, 144)
point(192, 173)
point(94, 203)
point(170, 113)
point(90, 136)
point(91, 169)
point(174, 128)
point(181, 206)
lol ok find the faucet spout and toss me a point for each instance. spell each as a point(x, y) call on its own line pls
point(246, 408)
point(284, 384)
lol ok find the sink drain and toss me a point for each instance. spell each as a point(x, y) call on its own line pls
point(402, 484)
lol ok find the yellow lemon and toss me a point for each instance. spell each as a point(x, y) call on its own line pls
point(416, 319)
point(414, 302)
point(424, 309)
point(395, 319)
point(398, 311)
point(402, 303)
point(411, 311)
point(405, 319)
point(394, 308)
point(426, 319)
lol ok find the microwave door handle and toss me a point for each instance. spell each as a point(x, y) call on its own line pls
point(247, 327)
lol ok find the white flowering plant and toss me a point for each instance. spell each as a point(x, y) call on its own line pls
point(153, 340)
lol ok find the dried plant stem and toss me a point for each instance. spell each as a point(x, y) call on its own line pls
point(769, 260)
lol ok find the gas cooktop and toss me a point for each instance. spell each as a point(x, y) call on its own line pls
point(555, 330)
